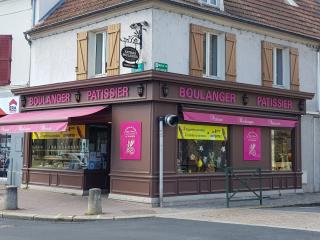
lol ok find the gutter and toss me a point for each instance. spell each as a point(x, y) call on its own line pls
point(179, 4)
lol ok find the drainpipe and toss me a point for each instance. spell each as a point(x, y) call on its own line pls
point(318, 78)
point(161, 120)
point(314, 121)
point(171, 121)
point(33, 3)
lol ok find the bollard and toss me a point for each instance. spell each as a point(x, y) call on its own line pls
point(11, 198)
point(94, 201)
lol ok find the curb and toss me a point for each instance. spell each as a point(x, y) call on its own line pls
point(64, 218)
point(311, 204)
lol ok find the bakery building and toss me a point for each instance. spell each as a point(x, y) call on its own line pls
point(77, 141)
point(242, 91)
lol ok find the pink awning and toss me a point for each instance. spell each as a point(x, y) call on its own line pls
point(237, 120)
point(44, 121)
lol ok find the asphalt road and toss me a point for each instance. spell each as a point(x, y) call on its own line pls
point(144, 229)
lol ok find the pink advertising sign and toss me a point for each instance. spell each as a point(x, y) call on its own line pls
point(130, 140)
point(251, 144)
point(237, 120)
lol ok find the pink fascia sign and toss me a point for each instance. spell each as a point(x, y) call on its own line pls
point(251, 144)
point(237, 120)
point(130, 140)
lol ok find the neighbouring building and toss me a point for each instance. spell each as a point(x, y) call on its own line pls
point(16, 17)
point(240, 78)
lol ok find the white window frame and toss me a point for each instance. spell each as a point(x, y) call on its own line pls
point(220, 57)
point(92, 54)
point(219, 3)
point(292, 3)
point(285, 67)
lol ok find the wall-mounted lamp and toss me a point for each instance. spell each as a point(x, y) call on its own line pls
point(77, 96)
point(245, 99)
point(23, 100)
point(165, 90)
point(301, 105)
point(140, 90)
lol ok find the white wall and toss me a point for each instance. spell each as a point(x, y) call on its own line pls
point(16, 18)
point(54, 57)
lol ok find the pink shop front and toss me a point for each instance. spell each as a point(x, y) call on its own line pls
point(220, 124)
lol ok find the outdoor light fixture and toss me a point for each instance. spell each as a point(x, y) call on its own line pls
point(165, 90)
point(23, 101)
point(245, 99)
point(140, 90)
point(77, 96)
point(301, 105)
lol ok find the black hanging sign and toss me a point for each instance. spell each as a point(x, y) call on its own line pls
point(130, 54)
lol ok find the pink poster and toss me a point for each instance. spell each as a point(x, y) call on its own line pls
point(130, 141)
point(252, 143)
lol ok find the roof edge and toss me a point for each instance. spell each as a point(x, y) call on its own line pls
point(176, 3)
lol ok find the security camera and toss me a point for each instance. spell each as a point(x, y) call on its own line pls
point(171, 120)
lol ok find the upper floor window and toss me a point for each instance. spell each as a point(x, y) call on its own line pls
point(280, 66)
point(212, 53)
point(5, 59)
point(100, 53)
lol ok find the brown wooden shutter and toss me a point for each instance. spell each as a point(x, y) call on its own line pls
point(267, 64)
point(5, 59)
point(294, 69)
point(231, 68)
point(197, 35)
point(82, 56)
point(113, 63)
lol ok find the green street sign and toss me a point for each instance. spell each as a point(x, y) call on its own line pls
point(139, 69)
point(162, 67)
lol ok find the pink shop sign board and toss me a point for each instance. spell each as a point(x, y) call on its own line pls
point(130, 140)
point(251, 144)
point(237, 120)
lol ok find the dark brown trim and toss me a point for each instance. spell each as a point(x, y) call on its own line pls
point(152, 75)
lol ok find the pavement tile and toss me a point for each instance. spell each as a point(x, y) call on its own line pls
point(49, 206)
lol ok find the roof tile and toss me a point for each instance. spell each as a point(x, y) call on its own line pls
point(304, 19)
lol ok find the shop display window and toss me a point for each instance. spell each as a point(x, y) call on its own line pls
point(5, 143)
point(201, 148)
point(80, 147)
point(281, 149)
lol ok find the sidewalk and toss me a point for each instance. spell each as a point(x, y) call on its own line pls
point(42, 205)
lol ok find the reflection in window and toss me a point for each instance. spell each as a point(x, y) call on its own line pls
point(281, 150)
point(201, 149)
point(210, 55)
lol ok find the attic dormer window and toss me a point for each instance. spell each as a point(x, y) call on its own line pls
point(213, 3)
point(291, 2)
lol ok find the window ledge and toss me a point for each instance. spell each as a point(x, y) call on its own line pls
point(280, 86)
point(213, 77)
point(99, 76)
